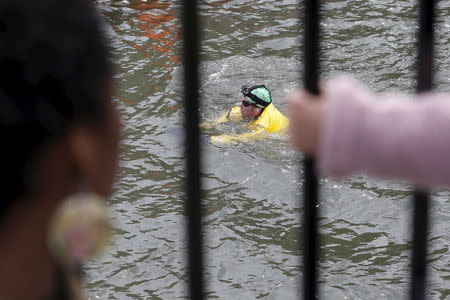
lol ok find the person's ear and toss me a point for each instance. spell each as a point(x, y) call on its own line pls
point(83, 147)
point(259, 110)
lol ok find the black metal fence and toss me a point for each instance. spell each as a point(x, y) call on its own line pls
point(311, 19)
point(421, 199)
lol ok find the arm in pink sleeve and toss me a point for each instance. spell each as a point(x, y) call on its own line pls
point(389, 137)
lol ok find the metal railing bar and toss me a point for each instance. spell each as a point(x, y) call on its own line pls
point(420, 229)
point(310, 187)
point(191, 44)
point(421, 199)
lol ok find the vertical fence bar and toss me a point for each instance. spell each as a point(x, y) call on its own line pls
point(310, 188)
point(420, 228)
point(421, 199)
point(191, 42)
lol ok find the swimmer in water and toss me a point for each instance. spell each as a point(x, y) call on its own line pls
point(257, 109)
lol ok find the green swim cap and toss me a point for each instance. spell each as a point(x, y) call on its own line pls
point(257, 94)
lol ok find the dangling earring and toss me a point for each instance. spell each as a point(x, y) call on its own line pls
point(79, 229)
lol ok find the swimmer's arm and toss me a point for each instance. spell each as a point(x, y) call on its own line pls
point(210, 124)
point(231, 115)
point(253, 135)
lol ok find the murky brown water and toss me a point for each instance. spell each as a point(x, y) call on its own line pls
point(253, 189)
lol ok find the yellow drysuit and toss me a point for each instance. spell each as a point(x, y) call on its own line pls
point(271, 120)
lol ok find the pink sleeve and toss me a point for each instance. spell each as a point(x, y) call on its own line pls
point(388, 137)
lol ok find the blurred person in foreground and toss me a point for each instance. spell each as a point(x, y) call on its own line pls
point(348, 129)
point(59, 134)
point(256, 108)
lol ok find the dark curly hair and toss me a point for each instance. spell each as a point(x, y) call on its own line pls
point(54, 65)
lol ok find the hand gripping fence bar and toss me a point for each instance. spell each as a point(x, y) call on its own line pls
point(192, 146)
point(421, 199)
point(310, 187)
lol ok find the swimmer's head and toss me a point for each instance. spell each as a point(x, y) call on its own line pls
point(259, 95)
point(256, 98)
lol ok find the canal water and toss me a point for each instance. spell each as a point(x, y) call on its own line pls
point(252, 190)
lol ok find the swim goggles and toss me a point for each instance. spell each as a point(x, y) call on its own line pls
point(246, 103)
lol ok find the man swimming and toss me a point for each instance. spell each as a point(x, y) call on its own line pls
point(257, 108)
